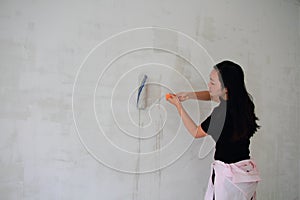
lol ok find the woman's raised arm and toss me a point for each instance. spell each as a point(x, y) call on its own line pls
point(199, 95)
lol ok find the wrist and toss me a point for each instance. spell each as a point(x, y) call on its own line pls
point(179, 106)
point(188, 95)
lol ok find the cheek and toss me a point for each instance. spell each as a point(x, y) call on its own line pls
point(216, 89)
point(213, 89)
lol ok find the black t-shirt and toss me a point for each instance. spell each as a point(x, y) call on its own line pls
point(220, 126)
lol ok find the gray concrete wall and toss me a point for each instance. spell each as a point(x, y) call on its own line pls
point(69, 125)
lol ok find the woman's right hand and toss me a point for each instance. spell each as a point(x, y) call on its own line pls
point(182, 96)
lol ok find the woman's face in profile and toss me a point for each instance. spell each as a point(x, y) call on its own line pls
point(214, 85)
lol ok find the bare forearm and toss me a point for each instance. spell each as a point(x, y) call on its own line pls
point(187, 121)
point(199, 95)
point(193, 129)
point(202, 95)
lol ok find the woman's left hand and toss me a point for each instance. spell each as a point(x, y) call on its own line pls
point(173, 99)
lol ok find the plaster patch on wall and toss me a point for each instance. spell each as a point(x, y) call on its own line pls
point(15, 171)
point(209, 29)
point(299, 20)
point(11, 190)
point(166, 40)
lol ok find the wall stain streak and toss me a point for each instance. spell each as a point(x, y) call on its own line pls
point(137, 168)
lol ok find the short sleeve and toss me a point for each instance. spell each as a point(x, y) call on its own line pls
point(205, 124)
point(213, 125)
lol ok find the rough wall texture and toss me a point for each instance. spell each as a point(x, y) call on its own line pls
point(43, 44)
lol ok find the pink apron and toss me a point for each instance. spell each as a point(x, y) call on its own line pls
point(235, 181)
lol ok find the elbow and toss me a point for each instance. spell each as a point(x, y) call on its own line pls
point(196, 137)
point(200, 133)
point(199, 136)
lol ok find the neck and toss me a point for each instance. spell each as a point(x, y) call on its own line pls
point(224, 97)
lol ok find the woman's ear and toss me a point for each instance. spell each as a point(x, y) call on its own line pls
point(225, 92)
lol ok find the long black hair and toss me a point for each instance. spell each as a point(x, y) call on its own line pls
point(239, 102)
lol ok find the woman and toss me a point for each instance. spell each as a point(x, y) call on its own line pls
point(232, 123)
